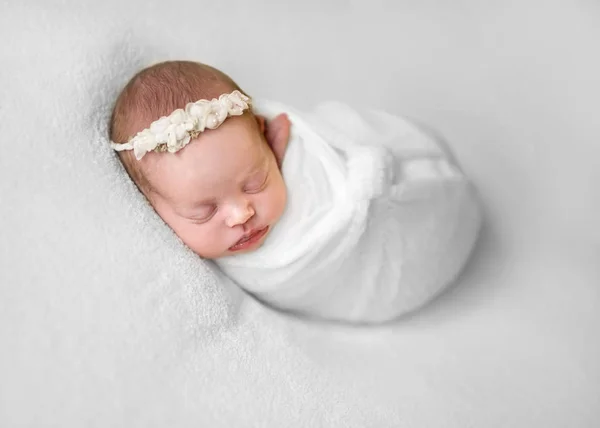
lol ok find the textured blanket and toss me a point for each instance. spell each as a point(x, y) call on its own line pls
point(108, 320)
point(378, 221)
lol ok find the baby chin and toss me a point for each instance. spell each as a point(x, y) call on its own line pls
point(250, 243)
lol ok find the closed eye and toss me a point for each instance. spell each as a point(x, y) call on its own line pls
point(204, 214)
point(257, 185)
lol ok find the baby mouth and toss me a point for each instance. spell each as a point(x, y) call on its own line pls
point(250, 240)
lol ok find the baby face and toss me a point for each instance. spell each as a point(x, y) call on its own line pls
point(223, 192)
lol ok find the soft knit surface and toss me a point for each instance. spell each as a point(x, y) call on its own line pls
point(107, 320)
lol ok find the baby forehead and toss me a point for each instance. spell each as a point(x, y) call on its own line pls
point(231, 154)
point(232, 138)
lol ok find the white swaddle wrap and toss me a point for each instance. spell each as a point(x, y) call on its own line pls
point(378, 220)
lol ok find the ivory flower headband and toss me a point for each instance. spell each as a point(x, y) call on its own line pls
point(172, 133)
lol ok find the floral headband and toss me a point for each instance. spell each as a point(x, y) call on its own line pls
point(172, 133)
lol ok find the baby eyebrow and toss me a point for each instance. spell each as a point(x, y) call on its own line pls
point(255, 173)
point(260, 167)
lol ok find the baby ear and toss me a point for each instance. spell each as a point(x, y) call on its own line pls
point(277, 133)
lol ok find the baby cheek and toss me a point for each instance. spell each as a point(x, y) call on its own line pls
point(205, 241)
point(186, 233)
point(276, 201)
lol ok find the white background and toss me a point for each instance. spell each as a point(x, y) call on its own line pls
point(86, 341)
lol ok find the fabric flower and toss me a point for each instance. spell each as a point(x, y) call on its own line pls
point(198, 112)
point(159, 129)
point(238, 103)
point(219, 113)
point(143, 143)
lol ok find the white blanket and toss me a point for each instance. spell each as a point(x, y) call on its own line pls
point(107, 320)
point(378, 221)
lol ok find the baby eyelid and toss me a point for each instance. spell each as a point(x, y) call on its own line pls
point(207, 213)
point(257, 187)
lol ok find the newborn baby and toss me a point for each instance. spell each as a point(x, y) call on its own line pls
point(336, 214)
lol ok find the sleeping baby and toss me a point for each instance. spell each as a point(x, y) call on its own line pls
point(336, 213)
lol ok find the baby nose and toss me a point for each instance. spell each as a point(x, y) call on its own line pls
point(239, 214)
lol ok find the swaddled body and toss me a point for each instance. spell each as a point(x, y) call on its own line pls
point(336, 214)
point(378, 220)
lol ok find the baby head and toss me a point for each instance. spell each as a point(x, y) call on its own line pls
point(222, 192)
